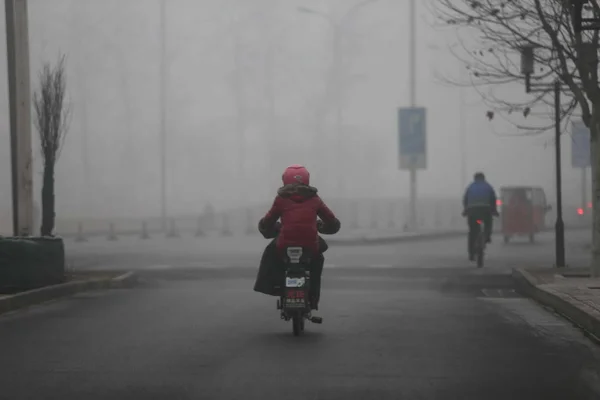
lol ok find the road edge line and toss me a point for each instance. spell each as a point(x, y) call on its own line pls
point(45, 294)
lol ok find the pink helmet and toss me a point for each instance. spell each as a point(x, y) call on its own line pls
point(296, 174)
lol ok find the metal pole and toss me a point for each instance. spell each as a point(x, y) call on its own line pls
point(85, 155)
point(337, 62)
point(462, 136)
point(12, 80)
point(239, 103)
point(163, 117)
point(413, 100)
point(272, 110)
point(17, 41)
point(560, 226)
point(584, 190)
point(84, 188)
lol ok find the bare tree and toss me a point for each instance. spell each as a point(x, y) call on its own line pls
point(500, 30)
point(52, 116)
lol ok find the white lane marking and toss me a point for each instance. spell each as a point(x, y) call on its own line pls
point(158, 267)
point(492, 292)
point(358, 266)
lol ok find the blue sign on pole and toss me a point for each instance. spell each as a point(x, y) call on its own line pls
point(412, 133)
point(580, 145)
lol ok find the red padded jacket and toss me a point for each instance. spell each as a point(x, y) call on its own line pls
point(298, 206)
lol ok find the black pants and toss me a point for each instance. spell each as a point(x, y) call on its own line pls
point(473, 215)
point(316, 271)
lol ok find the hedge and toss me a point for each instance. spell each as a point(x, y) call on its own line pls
point(30, 262)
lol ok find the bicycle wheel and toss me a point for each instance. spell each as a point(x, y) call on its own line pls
point(480, 248)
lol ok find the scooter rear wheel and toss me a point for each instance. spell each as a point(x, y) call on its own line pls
point(297, 324)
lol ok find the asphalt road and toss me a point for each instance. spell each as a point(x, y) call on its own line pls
point(404, 321)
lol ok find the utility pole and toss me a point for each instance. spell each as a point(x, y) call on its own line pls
point(462, 124)
point(17, 48)
point(85, 154)
point(463, 136)
point(338, 70)
point(413, 100)
point(337, 79)
point(238, 93)
point(271, 105)
point(84, 188)
point(560, 225)
point(584, 195)
point(163, 116)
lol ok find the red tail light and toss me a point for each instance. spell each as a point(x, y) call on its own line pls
point(479, 221)
point(580, 211)
point(499, 202)
point(295, 294)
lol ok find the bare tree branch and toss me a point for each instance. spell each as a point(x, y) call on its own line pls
point(52, 113)
point(499, 29)
point(504, 27)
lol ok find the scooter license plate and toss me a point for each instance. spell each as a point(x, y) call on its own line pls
point(295, 298)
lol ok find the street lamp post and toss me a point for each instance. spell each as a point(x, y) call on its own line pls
point(412, 59)
point(337, 68)
point(462, 123)
point(163, 117)
point(335, 79)
point(462, 126)
point(527, 68)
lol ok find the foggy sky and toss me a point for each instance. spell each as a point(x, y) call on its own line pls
point(284, 57)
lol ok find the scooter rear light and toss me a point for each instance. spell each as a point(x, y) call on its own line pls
point(295, 294)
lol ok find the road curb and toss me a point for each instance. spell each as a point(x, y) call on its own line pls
point(417, 237)
point(528, 285)
point(37, 296)
point(395, 239)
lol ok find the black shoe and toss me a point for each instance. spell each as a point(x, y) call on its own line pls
point(314, 304)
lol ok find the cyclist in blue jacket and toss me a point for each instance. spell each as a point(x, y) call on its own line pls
point(479, 203)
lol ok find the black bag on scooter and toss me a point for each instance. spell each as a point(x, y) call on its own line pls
point(270, 271)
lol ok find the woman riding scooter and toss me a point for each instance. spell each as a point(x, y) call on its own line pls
point(298, 206)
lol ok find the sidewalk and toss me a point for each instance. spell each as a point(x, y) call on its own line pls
point(569, 291)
